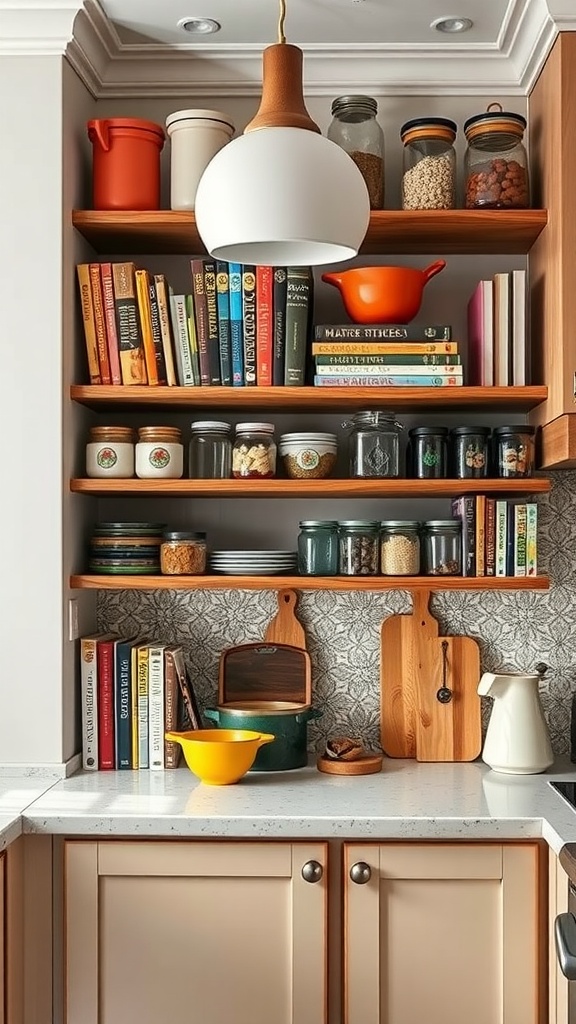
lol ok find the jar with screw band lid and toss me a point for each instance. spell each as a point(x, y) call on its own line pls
point(318, 547)
point(210, 450)
point(254, 450)
point(358, 542)
point(110, 452)
point(442, 547)
point(496, 163)
point(354, 127)
point(183, 553)
point(429, 164)
point(400, 547)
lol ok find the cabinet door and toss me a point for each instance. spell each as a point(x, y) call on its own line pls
point(558, 986)
point(194, 933)
point(3, 928)
point(441, 934)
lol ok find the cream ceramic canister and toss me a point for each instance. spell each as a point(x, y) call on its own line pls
point(517, 739)
point(159, 453)
point(110, 452)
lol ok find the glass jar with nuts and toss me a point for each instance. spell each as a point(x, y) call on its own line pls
point(254, 451)
point(358, 542)
point(496, 164)
point(429, 178)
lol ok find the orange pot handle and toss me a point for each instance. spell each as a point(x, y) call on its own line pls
point(433, 269)
point(99, 131)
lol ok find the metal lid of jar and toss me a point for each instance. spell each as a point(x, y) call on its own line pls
point(520, 428)
point(354, 104)
point(254, 428)
point(326, 524)
point(358, 524)
point(210, 426)
point(503, 121)
point(183, 535)
point(437, 431)
point(442, 524)
point(428, 127)
point(400, 524)
point(373, 417)
point(484, 431)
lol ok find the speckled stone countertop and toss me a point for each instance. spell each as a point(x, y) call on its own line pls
point(16, 793)
point(407, 800)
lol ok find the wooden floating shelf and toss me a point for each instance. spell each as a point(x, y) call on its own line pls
point(506, 232)
point(307, 488)
point(286, 399)
point(309, 582)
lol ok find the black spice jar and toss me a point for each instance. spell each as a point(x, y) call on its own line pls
point(469, 452)
point(427, 448)
point(514, 451)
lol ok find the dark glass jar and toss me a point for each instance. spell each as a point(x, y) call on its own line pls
point(427, 447)
point(442, 547)
point(469, 452)
point(514, 451)
point(318, 547)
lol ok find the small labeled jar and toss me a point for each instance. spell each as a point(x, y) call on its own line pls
point(183, 553)
point(159, 453)
point(359, 547)
point(514, 451)
point(427, 447)
point(110, 452)
point(442, 547)
point(495, 163)
point(374, 444)
point(210, 450)
point(400, 548)
point(469, 452)
point(318, 547)
point(429, 176)
point(354, 127)
point(254, 451)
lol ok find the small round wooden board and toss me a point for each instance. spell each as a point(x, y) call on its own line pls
point(369, 764)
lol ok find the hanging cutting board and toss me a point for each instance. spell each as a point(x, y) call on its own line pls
point(265, 672)
point(285, 628)
point(430, 708)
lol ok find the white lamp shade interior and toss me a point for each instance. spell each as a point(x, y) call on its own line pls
point(282, 197)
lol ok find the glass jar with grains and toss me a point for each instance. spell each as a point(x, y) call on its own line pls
point(183, 553)
point(429, 178)
point(254, 451)
point(495, 163)
point(400, 548)
point(354, 127)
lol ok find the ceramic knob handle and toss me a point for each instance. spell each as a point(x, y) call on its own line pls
point(360, 873)
point(312, 871)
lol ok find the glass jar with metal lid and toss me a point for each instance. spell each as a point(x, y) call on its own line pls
point(429, 164)
point(318, 547)
point(374, 444)
point(354, 127)
point(358, 543)
point(400, 547)
point(442, 547)
point(210, 450)
point(183, 553)
point(254, 451)
point(496, 164)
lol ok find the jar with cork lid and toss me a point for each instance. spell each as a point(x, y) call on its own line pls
point(354, 127)
point(159, 453)
point(429, 159)
point(496, 164)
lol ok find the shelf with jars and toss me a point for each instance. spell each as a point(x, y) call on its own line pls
point(225, 582)
point(327, 488)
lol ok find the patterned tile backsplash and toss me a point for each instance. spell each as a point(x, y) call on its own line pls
point(515, 630)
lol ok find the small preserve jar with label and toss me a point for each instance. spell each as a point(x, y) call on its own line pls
point(110, 452)
point(496, 163)
point(429, 178)
point(183, 553)
point(318, 547)
point(159, 453)
point(354, 127)
point(254, 451)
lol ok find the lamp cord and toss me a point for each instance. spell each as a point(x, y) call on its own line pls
point(281, 36)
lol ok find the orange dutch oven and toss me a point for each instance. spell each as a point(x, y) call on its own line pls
point(383, 295)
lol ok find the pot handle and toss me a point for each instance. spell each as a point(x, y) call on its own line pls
point(308, 716)
point(212, 714)
point(433, 269)
point(99, 131)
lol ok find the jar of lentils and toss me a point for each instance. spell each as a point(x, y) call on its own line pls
point(400, 548)
point(495, 163)
point(359, 547)
point(318, 547)
point(429, 177)
point(354, 127)
point(254, 451)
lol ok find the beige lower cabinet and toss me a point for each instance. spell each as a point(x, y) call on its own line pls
point(558, 986)
point(3, 929)
point(195, 932)
point(443, 934)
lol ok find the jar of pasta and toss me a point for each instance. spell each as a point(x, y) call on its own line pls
point(254, 451)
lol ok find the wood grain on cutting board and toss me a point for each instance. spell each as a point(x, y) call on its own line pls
point(285, 628)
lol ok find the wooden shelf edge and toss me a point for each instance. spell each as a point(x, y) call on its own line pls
point(328, 488)
point(82, 582)
point(558, 443)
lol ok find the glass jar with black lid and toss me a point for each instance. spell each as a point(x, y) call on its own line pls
point(495, 163)
point(514, 450)
point(427, 452)
point(469, 452)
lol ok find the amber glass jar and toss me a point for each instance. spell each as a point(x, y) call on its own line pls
point(496, 164)
point(354, 127)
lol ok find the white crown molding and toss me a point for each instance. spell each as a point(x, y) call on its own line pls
point(39, 27)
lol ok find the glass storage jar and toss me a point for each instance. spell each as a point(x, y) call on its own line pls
point(429, 164)
point(159, 453)
point(358, 543)
point(374, 444)
point(469, 452)
point(496, 164)
point(254, 451)
point(318, 547)
point(442, 547)
point(354, 127)
point(183, 553)
point(210, 450)
point(514, 450)
point(400, 548)
point(110, 452)
point(428, 452)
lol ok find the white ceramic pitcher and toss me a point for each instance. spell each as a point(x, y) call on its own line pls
point(517, 740)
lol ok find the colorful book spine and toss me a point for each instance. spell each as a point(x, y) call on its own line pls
point(236, 329)
point(142, 282)
point(490, 566)
point(201, 316)
point(156, 332)
point(193, 339)
point(143, 761)
point(123, 703)
point(480, 315)
point(464, 509)
point(171, 720)
point(520, 539)
point(132, 362)
point(100, 323)
point(106, 742)
point(181, 340)
point(110, 317)
point(399, 381)
point(87, 307)
point(162, 299)
point(249, 323)
point(388, 370)
point(134, 706)
point(299, 297)
point(279, 324)
point(382, 332)
point(212, 321)
point(264, 325)
point(382, 348)
point(389, 360)
point(156, 707)
point(223, 308)
point(89, 700)
point(480, 535)
point(501, 535)
point(531, 538)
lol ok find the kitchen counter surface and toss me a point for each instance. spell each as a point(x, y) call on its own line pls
point(407, 800)
point(16, 793)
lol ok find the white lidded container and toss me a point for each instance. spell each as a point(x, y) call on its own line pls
point(195, 137)
point(159, 453)
point(110, 452)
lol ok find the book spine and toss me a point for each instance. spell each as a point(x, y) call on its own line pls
point(122, 702)
point(531, 538)
point(201, 316)
point(134, 710)
point(501, 534)
point(189, 702)
point(212, 321)
point(156, 332)
point(142, 282)
point(100, 323)
point(143, 707)
point(193, 339)
point(89, 699)
point(510, 539)
point(464, 508)
point(374, 348)
point(398, 380)
point(385, 370)
point(106, 745)
point(181, 342)
point(110, 317)
point(156, 708)
point(132, 362)
point(165, 328)
point(389, 360)
point(249, 323)
point(83, 272)
point(382, 332)
point(298, 304)
point(223, 308)
point(171, 690)
point(490, 537)
point(480, 535)
point(520, 539)
point(236, 324)
point(279, 324)
point(264, 325)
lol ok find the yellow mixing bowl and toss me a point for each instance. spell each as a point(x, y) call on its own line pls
point(220, 756)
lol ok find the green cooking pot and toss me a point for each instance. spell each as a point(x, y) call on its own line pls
point(287, 722)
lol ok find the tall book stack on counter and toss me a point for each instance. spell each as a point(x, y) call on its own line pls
point(498, 331)
point(499, 538)
point(132, 692)
point(236, 325)
point(386, 355)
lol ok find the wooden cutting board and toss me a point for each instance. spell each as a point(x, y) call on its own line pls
point(265, 672)
point(285, 628)
point(415, 664)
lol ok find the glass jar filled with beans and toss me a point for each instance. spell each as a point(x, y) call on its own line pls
point(354, 127)
point(496, 163)
point(254, 451)
point(400, 548)
point(359, 547)
point(429, 177)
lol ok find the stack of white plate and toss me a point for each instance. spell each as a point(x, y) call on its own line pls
point(254, 563)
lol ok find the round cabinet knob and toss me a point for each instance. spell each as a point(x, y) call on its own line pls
point(360, 873)
point(312, 871)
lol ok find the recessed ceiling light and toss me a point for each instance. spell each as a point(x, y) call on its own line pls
point(199, 26)
point(452, 24)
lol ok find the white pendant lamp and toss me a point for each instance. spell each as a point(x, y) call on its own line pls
point(281, 194)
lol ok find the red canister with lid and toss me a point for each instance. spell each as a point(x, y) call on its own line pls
point(125, 163)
